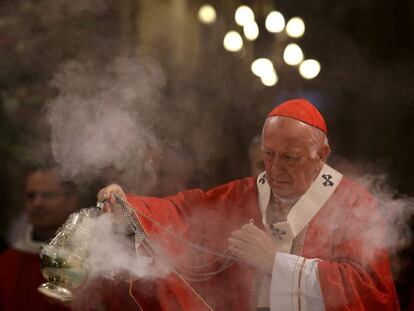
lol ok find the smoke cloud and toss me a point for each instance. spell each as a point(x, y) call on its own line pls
point(397, 210)
point(112, 252)
point(99, 121)
point(393, 218)
point(112, 261)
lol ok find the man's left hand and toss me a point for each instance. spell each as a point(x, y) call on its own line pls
point(254, 246)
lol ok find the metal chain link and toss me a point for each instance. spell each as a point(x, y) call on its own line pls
point(188, 273)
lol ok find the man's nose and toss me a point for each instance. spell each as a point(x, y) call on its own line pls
point(37, 200)
point(277, 165)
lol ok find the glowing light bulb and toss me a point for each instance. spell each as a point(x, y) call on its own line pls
point(262, 66)
point(270, 78)
point(251, 31)
point(295, 27)
point(275, 22)
point(207, 14)
point(233, 42)
point(243, 15)
point(309, 68)
point(293, 54)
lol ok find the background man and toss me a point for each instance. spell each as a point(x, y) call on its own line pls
point(48, 202)
point(306, 237)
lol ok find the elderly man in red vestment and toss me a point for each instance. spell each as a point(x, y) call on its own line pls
point(300, 236)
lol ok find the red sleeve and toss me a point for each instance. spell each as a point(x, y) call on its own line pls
point(204, 218)
point(357, 275)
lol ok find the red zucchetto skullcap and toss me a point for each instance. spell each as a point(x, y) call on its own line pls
point(302, 110)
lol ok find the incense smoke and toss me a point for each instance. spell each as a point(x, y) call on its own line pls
point(101, 126)
point(99, 123)
point(390, 225)
point(112, 252)
point(113, 261)
point(397, 210)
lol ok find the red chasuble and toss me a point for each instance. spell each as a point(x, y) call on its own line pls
point(347, 235)
point(20, 276)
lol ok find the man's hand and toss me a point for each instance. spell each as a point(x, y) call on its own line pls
point(254, 246)
point(106, 195)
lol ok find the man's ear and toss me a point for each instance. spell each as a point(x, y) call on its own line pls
point(324, 152)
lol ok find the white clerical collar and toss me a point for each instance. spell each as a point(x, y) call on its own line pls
point(309, 203)
point(26, 242)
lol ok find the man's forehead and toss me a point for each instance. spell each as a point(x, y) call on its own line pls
point(43, 178)
point(286, 145)
point(283, 128)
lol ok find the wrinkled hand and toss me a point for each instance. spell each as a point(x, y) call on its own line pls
point(254, 246)
point(106, 195)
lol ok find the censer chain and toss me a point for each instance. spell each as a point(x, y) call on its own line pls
point(189, 272)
